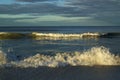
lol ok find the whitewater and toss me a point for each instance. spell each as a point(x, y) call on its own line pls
point(96, 56)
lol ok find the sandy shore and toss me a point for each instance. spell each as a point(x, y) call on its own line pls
point(61, 73)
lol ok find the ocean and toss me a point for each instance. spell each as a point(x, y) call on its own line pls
point(60, 53)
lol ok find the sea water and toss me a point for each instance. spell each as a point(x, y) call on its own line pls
point(92, 49)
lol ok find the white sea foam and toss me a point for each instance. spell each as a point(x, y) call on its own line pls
point(57, 36)
point(3, 59)
point(91, 57)
point(94, 56)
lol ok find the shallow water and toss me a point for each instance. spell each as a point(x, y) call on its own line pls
point(61, 73)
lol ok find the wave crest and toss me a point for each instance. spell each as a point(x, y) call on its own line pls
point(57, 36)
point(91, 57)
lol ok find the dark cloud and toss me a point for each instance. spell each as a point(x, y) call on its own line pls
point(99, 9)
point(74, 8)
point(44, 8)
point(97, 5)
point(31, 0)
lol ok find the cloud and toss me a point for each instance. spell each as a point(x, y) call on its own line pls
point(51, 20)
point(72, 8)
point(104, 10)
point(34, 8)
point(31, 0)
point(101, 11)
point(54, 18)
point(41, 8)
point(47, 20)
point(20, 16)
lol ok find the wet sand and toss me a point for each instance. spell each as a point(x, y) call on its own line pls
point(61, 73)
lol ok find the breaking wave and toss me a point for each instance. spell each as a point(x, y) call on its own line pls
point(59, 36)
point(3, 59)
point(95, 56)
point(56, 36)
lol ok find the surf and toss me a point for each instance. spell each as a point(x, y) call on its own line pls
point(100, 56)
point(56, 36)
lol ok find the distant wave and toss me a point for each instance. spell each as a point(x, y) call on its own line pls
point(110, 35)
point(8, 35)
point(95, 56)
point(56, 36)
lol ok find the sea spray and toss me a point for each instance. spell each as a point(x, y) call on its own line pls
point(94, 56)
point(3, 59)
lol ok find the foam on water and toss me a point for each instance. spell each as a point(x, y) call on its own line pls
point(94, 56)
point(57, 36)
point(2, 58)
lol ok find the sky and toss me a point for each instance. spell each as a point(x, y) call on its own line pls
point(59, 12)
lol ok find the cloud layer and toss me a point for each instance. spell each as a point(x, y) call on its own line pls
point(106, 11)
